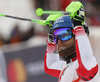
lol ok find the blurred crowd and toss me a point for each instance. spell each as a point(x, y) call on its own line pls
point(17, 36)
point(92, 8)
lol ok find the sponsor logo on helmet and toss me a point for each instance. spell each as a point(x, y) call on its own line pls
point(60, 20)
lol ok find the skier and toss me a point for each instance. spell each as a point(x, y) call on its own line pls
point(70, 57)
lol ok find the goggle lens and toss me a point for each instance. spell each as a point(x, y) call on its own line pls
point(62, 33)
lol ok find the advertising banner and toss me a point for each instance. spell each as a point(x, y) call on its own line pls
point(27, 65)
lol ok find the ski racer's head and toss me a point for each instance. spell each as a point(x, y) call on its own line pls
point(63, 36)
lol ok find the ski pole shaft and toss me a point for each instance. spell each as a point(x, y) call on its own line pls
point(19, 18)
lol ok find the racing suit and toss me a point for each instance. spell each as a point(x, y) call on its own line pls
point(82, 68)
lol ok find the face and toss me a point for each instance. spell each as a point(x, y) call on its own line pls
point(65, 42)
point(66, 48)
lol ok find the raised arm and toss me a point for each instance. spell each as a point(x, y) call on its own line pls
point(52, 63)
point(87, 67)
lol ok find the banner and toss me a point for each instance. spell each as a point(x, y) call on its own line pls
point(27, 65)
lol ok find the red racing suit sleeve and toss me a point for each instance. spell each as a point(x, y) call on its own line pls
point(52, 63)
point(87, 66)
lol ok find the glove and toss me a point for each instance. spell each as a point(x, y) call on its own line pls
point(80, 15)
point(51, 47)
point(50, 39)
point(76, 11)
point(79, 18)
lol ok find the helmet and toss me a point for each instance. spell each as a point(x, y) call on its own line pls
point(66, 21)
point(63, 21)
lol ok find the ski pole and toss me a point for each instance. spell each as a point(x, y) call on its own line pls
point(41, 22)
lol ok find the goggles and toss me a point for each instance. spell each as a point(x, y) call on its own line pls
point(62, 33)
